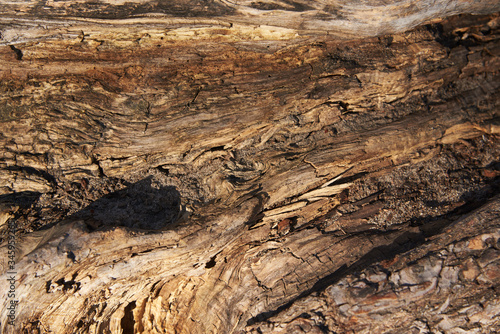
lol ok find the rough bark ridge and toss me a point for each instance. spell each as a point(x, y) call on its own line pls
point(231, 167)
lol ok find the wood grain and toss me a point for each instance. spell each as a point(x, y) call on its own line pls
point(232, 167)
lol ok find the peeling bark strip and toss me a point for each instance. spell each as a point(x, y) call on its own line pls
point(250, 166)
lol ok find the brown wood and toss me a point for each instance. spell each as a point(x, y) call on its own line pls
point(250, 167)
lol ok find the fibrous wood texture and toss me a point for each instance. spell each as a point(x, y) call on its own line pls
point(251, 166)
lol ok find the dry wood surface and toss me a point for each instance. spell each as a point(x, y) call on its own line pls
point(250, 166)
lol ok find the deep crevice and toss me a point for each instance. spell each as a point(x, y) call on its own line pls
point(19, 53)
point(127, 323)
point(211, 263)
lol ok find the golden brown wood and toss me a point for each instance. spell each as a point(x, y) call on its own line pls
point(250, 166)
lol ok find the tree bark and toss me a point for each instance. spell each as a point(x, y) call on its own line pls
point(249, 167)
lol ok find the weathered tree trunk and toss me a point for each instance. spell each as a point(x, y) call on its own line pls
point(250, 166)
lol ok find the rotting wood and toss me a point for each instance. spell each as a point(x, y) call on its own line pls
point(198, 170)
